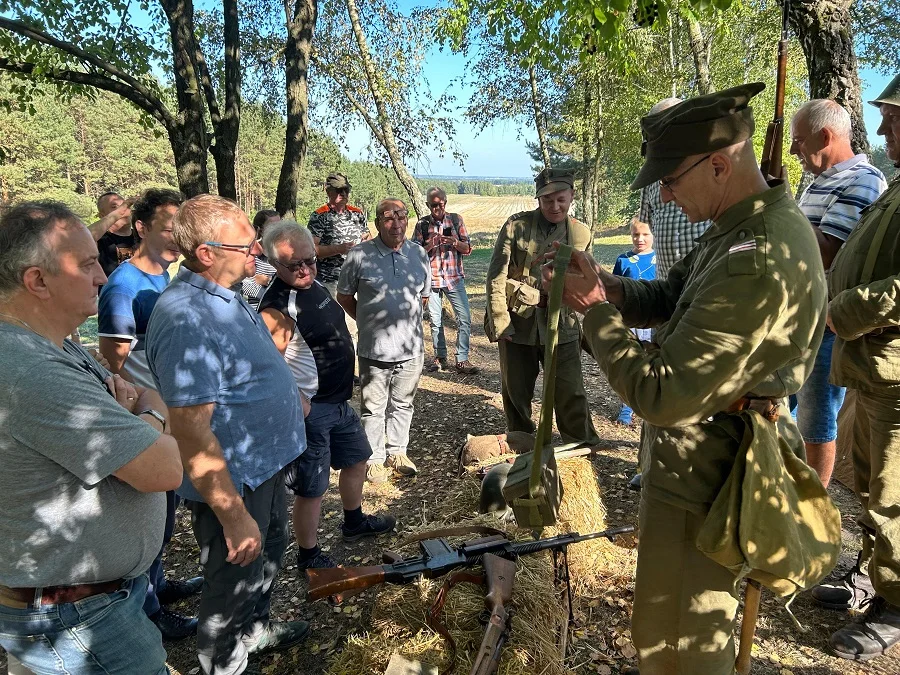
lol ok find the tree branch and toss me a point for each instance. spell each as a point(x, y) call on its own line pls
point(37, 35)
point(360, 108)
point(93, 80)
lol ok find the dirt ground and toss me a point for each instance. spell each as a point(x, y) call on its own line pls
point(448, 407)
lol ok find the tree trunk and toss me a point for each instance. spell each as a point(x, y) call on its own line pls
point(701, 56)
point(188, 136)
point(597, 187)
point(539, 122)
point(825, 32)
point(673, 64)
point(301, 25)
point(377, 89)
point(227, 124)
point(587, 163)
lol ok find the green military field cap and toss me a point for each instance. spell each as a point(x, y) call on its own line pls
point(338, 181)
point(553, 180)
point(890, 95)
point(698, 125)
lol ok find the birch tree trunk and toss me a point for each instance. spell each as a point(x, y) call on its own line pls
point(540, 121)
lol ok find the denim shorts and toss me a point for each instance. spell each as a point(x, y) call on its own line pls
point(100, 634)
point(334, 439)
point(819, 401)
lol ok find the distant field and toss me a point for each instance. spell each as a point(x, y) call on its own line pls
point(485, 215)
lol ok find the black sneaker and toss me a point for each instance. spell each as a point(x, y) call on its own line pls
point(851, 591)
point(872, 635)
point(281, 635)
point(174, 626)
point(319, 560)
point(371, 526)
point(179, 589)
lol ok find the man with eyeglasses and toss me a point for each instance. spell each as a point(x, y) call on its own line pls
point(337, 226)
point(310, 330)
point(384, 285)
point(443, 236)
point(235, 410)
point(739, 321)
point(516, 316)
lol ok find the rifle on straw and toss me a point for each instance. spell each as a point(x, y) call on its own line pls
point(771, 166)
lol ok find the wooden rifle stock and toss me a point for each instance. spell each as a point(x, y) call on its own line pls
point(772, 165)
point(324, 582)
point(499, 574)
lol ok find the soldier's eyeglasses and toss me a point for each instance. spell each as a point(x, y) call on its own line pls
point(295, 266)
point(669, 183)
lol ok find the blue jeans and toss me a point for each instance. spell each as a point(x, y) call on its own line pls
point(155, 573)
point(100, 634)
point(459, 300)
point(818, 401)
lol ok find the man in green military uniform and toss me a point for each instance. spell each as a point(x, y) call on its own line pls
point(738, 322)
point(864, 313)
point(516, 315)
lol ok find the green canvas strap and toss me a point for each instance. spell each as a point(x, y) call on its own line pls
point(878, 239)
point(542, 448)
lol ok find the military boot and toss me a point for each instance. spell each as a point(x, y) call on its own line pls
point(873, 634)
point(848, 592)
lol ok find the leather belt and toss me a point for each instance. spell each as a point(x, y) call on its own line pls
point(32, 598)
point(767, 407)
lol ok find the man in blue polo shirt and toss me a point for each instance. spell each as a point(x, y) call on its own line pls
point(234, 406)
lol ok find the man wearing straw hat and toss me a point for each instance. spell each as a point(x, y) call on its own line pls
point(738, 321)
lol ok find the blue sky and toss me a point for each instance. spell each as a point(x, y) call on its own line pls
point(498, 151)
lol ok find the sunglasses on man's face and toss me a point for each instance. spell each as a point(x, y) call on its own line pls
point(295, 265)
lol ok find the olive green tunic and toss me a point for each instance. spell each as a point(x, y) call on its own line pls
point(865, 313)
point(524, 237)
point(742, 314)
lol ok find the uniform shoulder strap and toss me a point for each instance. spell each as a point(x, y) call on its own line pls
point(878, 239)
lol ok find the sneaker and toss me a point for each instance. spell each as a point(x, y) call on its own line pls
point(280, 635)
point(873, 634)
point(466, 368)
point(624, 420)
point(402, 465)
point(174, 626)
point(432, 366)
point(849, 592)
point(635, 483)
point(318, 561)
point(371, 526)
point(179, 589)
point(377, 473)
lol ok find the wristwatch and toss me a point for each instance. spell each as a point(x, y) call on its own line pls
point(155, 415)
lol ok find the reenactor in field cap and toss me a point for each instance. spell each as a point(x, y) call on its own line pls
point(739, 321)
point(516, 316)
point(864, 313)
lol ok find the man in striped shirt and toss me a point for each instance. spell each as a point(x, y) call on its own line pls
point(845, 183)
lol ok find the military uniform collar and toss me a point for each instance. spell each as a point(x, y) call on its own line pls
point(383, 248)
point(547, 225)
point(745, 209)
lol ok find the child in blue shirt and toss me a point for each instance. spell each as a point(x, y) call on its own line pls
point(638, 263)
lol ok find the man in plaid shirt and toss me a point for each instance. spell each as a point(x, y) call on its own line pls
point(443, 236)
point(674, 235)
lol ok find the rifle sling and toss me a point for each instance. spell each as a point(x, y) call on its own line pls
point(451, 532)
point(433, 616)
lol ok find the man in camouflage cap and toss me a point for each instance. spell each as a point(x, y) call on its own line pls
point(864, 313)
point(516, 316)
point(739, 321)
point(337, 227)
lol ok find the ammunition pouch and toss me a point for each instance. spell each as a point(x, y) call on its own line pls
point(521, 299)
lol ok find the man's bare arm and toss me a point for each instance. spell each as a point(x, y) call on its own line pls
point(116, 352)
point(828, 246)
point(103, 225)
point(206, 467)
point(348, 302)
point(156, 469)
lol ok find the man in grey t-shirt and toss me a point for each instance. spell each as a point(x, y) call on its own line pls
point(83, 470)
point(384, 285)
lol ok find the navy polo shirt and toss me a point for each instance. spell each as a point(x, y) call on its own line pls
point(205, 344)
